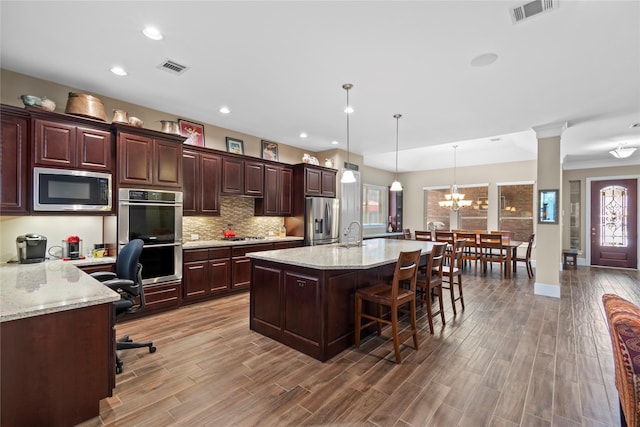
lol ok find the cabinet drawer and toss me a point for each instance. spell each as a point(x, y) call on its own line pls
point(161, 295)
point(242, 250)
point(219, 253)
point(196, 255)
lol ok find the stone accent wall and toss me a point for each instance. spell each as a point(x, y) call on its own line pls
point(233, 210)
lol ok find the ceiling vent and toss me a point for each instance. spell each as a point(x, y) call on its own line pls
point(531, 9)
point(173, 67)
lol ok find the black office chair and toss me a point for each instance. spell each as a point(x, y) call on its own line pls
point(127, 281)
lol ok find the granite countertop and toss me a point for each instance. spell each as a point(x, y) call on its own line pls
point(373, 253)
point(48, 287)
point(199, 244)
point(385, 234)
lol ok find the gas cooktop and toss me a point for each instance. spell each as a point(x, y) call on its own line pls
point(238, 238)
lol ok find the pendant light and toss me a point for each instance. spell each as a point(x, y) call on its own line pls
point(396, 186)
point(454, 200)
point(347, 176)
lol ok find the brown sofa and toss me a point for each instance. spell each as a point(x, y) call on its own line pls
point(624, 328)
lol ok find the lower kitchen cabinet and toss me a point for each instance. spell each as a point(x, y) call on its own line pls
point(206, 272)
point(241, 264)
point(162, 296)
point(98, 268)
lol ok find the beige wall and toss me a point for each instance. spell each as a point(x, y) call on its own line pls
point(415, 182)
point(14, 85)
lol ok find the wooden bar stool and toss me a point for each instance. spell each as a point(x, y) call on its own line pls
point(431, 281)
point(453, 270)
point(392, 296)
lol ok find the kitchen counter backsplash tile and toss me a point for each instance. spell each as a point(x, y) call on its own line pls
point(233, 210)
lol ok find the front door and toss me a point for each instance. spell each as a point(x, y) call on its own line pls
point(614, 234)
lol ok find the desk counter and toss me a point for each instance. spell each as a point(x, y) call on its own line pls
point(48, 287)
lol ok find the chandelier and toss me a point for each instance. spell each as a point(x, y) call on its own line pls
point(454, 200)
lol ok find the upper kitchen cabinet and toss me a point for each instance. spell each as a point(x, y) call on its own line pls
point(201, 182)
point(148, 158)
point(277, 191)
point(242, 177)
point(70, 142)
point(14, 162)
point(314, 181)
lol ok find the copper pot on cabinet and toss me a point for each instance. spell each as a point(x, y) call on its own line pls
point(120, 116)
point(170, 127)
point(81, 104)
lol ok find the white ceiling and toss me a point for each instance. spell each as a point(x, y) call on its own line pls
point(280, 66)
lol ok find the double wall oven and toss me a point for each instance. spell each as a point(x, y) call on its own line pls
point(155, 216)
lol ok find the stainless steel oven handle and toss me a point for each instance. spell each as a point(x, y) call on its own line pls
point(176, 243)
point(123, 203)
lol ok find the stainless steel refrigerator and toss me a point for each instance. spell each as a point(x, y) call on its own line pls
point(321, 221)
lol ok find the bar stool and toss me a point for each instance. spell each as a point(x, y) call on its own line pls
point(392, 296)
point(453, 270)
point(431, 281)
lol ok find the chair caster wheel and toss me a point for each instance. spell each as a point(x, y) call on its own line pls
point(118, 369)
point(152, 349)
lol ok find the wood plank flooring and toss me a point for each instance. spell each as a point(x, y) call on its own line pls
point(510, 359)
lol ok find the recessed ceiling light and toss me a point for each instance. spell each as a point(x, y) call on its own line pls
point(484, 60)
point(118, 71)
point(349, 109)
point(495, 139)
point(225, 110)
point(334, 143)
point(303, 135)
point(153, 33)
point(635, 125)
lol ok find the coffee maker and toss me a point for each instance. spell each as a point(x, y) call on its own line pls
point(72, 248)
point(31, 248)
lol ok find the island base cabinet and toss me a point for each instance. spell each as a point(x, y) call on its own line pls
point(309, 310)
point(57, 367)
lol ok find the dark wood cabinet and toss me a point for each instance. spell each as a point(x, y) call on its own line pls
point(206, 272)
point(95, 268)
point(60, 143)
point(14, 170)
point(301, 306)
point(148, 158)
point(314, 181)
point(242, 177)
point(201, 183)
point(241, 264)
point(277, 200)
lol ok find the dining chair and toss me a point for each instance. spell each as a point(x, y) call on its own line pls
point(406, 233)
point(430, 281)
point(471, 247)
point(423, 235)
point(394, 296)
point(527, 257)
point(445, 236)
point(454, 270)
point(492, 250)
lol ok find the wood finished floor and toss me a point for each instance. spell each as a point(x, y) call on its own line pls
point(511, 358)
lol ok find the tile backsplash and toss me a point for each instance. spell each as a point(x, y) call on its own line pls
point(233, 210)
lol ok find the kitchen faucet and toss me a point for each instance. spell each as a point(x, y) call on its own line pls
point(347, 231)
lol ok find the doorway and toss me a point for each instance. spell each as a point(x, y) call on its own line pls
point(614, 221)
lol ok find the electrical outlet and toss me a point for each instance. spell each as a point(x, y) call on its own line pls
point(195, 237)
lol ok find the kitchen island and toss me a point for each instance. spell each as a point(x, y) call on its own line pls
point(303, 297)
point(58, 355)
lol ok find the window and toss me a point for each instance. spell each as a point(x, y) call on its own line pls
point(516, 210)
point(374, 205)
point(435, 217)
point(475, 216)
point(613, 216)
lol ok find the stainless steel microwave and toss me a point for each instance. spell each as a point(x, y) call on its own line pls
point(59, 190)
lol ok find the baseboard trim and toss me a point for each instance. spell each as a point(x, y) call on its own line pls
point(547, 290)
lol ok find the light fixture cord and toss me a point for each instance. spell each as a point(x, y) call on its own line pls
point(348, 161)
point(455, 151)
point(397, 125)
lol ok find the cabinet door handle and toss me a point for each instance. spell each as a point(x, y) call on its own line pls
point(301, 283)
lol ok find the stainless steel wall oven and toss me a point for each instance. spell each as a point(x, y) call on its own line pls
point(155, 216)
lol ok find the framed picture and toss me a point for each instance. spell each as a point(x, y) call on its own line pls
point(235, 145)
point(194, 132)
point(547, 206)
point(269, 150)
